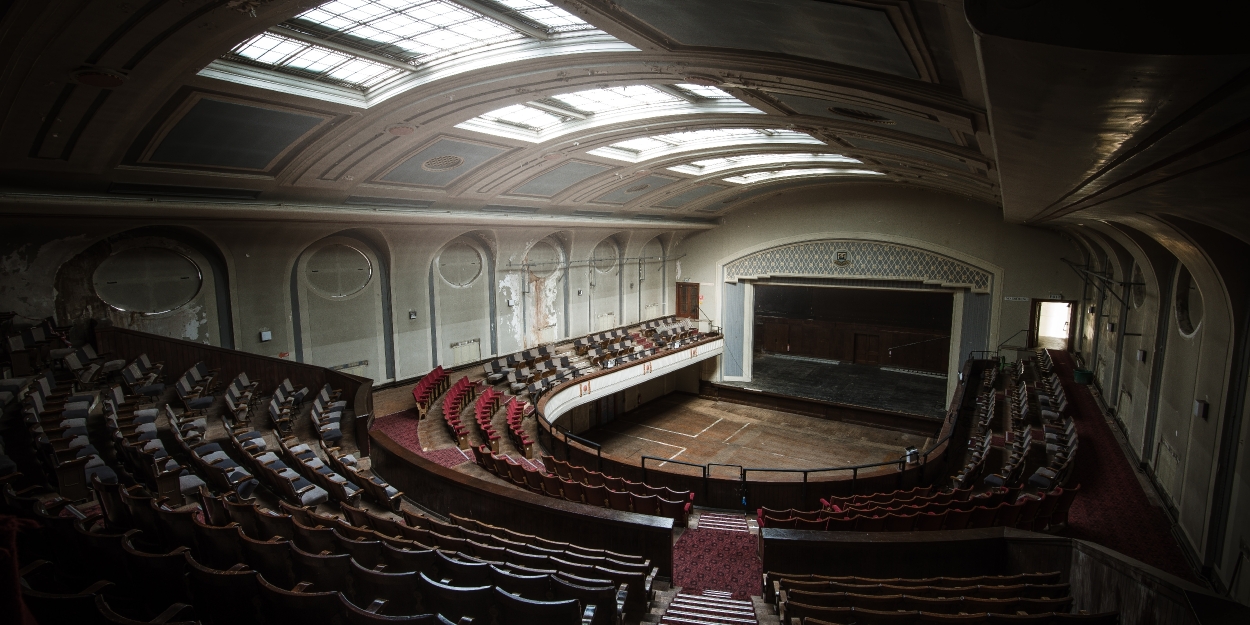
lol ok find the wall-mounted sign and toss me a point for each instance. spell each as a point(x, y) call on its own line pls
point(841, 258)
point(1015, 299)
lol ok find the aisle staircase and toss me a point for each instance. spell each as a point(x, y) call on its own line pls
point(719, 521)
point(713, 607)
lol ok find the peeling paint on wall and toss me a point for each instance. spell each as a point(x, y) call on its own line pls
point(510, 288)
point(27, 272)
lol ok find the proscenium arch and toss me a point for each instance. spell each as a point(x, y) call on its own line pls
point(976, 281)
point(376, 245)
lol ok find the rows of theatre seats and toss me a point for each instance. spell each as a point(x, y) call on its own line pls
point(1022, 599)
point(577, 484)
point(923, 509)
point(486, 401)
point(533, 371)
point(56, 413)
point(1057, 425)
point(35, 347)
point(980, 436)
point(428, 389)
point(238, 563)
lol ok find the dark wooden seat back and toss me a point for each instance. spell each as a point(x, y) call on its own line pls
point(393, 587)
point(271, 558)
point(521, 611)
point(455, 602)
point(209, 586)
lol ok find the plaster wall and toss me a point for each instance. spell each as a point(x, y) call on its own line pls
point(1028, 257)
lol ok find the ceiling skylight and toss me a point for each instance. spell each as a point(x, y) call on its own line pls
point(646, 148)
point(762, 176)
point(315, 61)
point(365, 45)
point(705, 92)
point(550, 117)
point(713, 165)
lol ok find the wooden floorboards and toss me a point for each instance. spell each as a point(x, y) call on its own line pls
point(697, 430)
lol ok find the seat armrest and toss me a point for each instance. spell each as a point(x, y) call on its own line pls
point(588, 615)
point(622, 595)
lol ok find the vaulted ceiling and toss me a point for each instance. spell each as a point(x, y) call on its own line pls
point(642, 109)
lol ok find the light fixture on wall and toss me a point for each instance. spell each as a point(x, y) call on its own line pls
point(266, 336)
point(1141, 355)
point(1200, 408)
point(579, 292)
point(1111, 326)
point(412, 314)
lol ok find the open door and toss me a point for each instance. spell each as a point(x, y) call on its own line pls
point(688, 300)
point(1051, 323)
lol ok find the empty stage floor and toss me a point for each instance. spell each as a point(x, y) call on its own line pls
point(697, 430)
point(846, 383)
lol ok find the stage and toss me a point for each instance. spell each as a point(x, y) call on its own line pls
point(701, 431)
point(870, 386)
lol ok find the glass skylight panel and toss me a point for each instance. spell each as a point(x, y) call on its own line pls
point(525, 117)
point(615, 98)
point(420, 28)
point(713, 165)
point(554, 18)
point(643, 148)
point(705, 92)
point(761, 176)
point(324, 63)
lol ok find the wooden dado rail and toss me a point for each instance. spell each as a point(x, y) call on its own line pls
point(752, 488)
point(1101, 580)
point(451, 492)
point(179, 355)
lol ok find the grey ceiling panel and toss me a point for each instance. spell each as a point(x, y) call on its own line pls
point(869, 144)
point(634, 189)
point(903, 123)
point(849, 35)
point(227, 134)
point(560, 178)
point(442, 162)
point(690, 195)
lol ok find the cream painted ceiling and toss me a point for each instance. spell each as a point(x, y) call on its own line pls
point(159, 97)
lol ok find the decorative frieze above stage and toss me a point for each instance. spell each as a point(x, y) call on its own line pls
point(850, 258)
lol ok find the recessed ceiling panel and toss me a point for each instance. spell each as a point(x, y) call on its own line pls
point(862, 114)
point(849, 35)
point(869, 144)
point(228, 134)
point(442, 162)
point(634, 189)
point(560, 178)
point(690, 195)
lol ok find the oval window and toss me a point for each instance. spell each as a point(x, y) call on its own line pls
point(338, 270)
point(543, 259)
point(460, 264)
point(604, 256)
point(1188, 302)
point(1139, 287)
point(149, 280)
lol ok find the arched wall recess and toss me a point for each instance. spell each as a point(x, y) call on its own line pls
point(461, 288)
point(170, 281)
point(604, 270)
point(341, 306)
point(544, 291)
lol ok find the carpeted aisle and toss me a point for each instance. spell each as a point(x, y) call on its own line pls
point(708, 559)
point(402, 428)
point(1111, 509)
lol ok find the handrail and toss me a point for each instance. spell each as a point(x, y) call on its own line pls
point(587, 443)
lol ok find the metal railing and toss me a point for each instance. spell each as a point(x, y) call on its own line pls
point(581, 441)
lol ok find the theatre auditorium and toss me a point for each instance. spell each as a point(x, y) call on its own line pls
point(624, 312)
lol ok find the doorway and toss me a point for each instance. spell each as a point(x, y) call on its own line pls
point(867, 348)
point(688, 300)
point(1052, 325)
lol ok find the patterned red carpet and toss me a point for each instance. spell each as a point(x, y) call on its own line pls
point(402, 428)
point(708, 559)
point(1111, 509)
